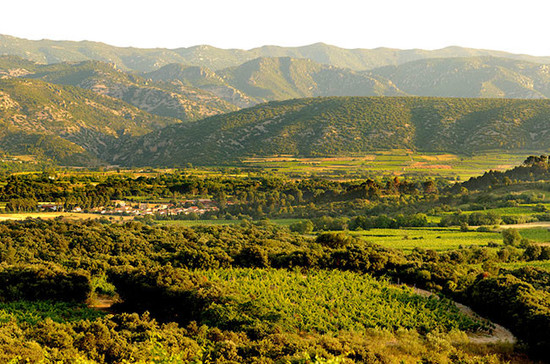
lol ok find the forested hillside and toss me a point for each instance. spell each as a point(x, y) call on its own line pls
point(268, 79)
point(345, 125)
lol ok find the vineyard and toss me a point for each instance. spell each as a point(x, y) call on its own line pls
point(336, 301)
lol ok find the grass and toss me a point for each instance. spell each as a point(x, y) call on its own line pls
point(439, 239)
point(33, 312)
point(537, 234)
point(502, 211)
point(435, 238)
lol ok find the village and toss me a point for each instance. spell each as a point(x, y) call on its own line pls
point(191, 208)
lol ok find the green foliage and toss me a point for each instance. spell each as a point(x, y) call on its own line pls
point(346, 125)
point(334, 240)
point(43, 283)
point(511, 237)
point(320, 301)
point(517, 304)
point(302, 227)
point(33, 312)
point(474, 219)
point(534, 168)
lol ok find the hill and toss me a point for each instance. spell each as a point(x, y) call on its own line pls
point(202, 78)
point(470, 77)
point(269, 79)
point(281, 78)
point(347, 125)
point(163, 99)
point(146, 60)
point(272, 79)
point(534, 168)
point(64, 123)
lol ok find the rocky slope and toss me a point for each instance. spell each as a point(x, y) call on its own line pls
point(470, 77)
point(67, 124)
point(164, 99)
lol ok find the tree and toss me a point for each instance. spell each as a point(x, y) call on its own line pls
point(511, 237)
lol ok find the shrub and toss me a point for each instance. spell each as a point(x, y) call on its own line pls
point(334, 240)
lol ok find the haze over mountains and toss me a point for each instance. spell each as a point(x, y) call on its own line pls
point(145, 60)
point(83, 103)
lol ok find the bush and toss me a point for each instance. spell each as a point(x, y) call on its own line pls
point(252, 256)
point(334, 240)
point(302, 227)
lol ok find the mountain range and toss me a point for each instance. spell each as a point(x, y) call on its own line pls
point(65, 123)
point(146, 60)
point(86, 103)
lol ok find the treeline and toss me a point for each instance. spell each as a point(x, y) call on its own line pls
point(235, 197)
point(534, 168)
point(473, 219)
point(361, 222)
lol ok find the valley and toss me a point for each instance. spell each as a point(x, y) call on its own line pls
point(310, 204)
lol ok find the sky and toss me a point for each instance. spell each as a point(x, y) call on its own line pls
point(513, 26)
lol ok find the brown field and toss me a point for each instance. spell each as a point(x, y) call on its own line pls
point(441, 157)
point(53, 215)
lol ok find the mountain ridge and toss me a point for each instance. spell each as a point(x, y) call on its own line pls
point(328, 126)
point(149, 59)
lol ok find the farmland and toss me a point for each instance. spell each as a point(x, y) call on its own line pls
point(438, 239)
point(390, 163)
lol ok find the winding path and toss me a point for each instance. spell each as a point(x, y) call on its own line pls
point(498, 335)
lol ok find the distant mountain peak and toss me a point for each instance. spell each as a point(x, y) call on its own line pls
point(146, 60)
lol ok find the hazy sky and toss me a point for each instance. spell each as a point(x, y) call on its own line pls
point(515, 26)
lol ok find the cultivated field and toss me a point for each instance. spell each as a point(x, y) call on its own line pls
point(397, 162)
point(439, 239)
